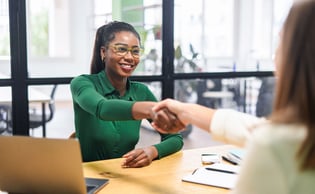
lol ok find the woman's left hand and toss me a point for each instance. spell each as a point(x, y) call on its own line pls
point(139, 157)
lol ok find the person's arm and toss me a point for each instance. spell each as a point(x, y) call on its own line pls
point(142, 110)
point(170, 143)
point(232, 126)
point(85, 94)
point(224, 124)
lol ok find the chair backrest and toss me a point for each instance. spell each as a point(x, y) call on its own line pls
point(5, 122)
point(51, 104)
point(36, 119)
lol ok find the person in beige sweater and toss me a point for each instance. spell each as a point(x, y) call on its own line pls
point(280, 150)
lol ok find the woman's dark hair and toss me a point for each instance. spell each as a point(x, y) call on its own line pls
point(104, 35)
point(295, 89)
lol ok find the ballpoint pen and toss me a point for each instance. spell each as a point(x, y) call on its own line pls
point(229, 160)
point(220, 170)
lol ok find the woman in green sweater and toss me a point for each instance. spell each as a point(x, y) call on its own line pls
point(108, 107)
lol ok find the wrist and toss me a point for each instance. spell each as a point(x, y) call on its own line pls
point(142, 110)
point(151, 152)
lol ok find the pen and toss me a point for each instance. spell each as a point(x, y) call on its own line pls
point(220, 170)
point(228, 160)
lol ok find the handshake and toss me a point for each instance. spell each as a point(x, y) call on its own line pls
point(166, 121)
point(171, 116)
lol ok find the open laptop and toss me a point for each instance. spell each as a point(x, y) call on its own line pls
point(43, 165)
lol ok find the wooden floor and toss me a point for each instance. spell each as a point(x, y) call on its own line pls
point(62, 126)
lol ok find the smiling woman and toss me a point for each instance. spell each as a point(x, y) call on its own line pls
point(109, 107)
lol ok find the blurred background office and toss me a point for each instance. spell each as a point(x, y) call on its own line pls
point(216, 53)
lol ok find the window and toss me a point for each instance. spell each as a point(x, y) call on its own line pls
point(222, 36)
point(227, 35)
point(49, 40)
point(5, 71)
point(48, 28)
point(4, 29)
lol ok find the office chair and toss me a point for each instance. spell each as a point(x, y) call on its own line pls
point(36, 118)
point(5, 122)
point(265, 97)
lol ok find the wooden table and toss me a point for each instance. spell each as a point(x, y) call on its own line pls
point(162, 176)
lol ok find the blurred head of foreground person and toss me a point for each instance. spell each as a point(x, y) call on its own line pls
point(295, 70)
point(280, 151)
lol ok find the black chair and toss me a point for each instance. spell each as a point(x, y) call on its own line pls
point(5, 122)
point(36, 117)
point(265, 97)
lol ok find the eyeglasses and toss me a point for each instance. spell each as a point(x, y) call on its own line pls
point(122, 50)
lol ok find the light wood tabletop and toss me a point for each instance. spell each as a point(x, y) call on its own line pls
point(161, 176)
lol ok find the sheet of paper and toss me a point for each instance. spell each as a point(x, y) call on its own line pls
point(219, 175)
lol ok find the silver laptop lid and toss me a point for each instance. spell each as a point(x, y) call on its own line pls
point(40, 165)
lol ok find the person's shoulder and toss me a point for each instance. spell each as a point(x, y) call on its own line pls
point(138, 85)
point(83, 77)
point(237, 115)
point(276, 133)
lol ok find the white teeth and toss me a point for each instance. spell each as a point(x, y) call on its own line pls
point(127, 66)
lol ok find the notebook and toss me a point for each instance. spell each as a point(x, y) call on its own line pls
point(217, 175)
point(44, 165)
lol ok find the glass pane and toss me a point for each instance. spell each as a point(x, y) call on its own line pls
point(5, 111)
point(155, 88)
point(268, 18)
point(57, 103)
point(4, 75)
point(251, 95)
point(39, 109)
point(48, 28)
point(53, 40)
point(280, 11)
point(150, 29)
point(5, 70)
point(58, 106)
point(226, 35)
point(61, 33)
point(203, 34)
point(102, 12)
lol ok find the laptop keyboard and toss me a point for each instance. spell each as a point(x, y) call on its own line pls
point(89, 188)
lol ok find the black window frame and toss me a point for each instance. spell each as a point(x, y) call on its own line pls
point(20, 81)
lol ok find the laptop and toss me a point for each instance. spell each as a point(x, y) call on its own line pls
point(44, 165)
